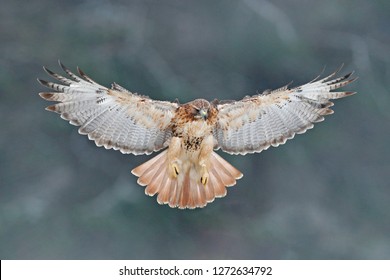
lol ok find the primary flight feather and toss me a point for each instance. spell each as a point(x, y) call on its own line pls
point(188, 173)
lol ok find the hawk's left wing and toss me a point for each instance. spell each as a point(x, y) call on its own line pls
point(255, 123)
point(113, 118)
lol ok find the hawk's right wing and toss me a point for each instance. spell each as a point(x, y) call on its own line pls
point(255, 123)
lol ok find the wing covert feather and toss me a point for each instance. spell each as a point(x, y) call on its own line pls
point(114, 118)
point(255, 123)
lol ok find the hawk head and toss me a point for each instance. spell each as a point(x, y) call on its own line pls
point(199, 109)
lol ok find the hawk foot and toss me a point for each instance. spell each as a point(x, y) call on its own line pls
point(204, 179)
point(205, 175)
point(174, 170)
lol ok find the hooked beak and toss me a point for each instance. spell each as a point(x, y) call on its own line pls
point(203, 113)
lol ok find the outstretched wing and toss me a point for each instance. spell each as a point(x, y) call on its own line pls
point(113, 118)
point(255, 123)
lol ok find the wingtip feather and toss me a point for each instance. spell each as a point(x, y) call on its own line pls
point(51, 108)
point(48, 71)
point(46, 95)
point(349, 93)
point(62, 65)
point(43, 82)
point(81, 72)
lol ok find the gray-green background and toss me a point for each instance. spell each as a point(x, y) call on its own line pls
point(323, 195)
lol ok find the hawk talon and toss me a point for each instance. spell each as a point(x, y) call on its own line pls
point(205, 175)
point(204, 179)
point(175, 169)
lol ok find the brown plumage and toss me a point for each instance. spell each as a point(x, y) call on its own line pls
point(188, 173)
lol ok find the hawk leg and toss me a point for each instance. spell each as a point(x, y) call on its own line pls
point(174, 162)
point(204, 159)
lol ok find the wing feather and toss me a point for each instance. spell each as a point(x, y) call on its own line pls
point(255, 123)
point(114, 118)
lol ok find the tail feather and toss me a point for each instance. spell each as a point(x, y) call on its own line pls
point(158, 181)
point(186, 190)
point(174, 193)
point(226, 178)
point(197, 196)
point(210, 190)
point(147, 176)
point(141, 169)
point(164, 191)
point(234, 172)
point(219, 186)
point(201, 194)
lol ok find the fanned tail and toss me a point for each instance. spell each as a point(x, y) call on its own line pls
point(186, 190)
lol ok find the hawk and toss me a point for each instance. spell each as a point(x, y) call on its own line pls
point(188, 173)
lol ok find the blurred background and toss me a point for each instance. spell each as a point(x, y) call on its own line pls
point(323, 195)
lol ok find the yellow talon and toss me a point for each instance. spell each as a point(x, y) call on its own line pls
point(205, 175)
point(204, 179)
point(175, 170)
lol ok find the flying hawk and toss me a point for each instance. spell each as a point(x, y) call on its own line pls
point(188, 173)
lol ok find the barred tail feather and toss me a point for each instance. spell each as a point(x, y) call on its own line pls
point(186, 190)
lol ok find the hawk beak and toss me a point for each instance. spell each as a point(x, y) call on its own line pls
point(203, 113)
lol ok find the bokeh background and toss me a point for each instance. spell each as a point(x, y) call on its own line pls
point(323, 195)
